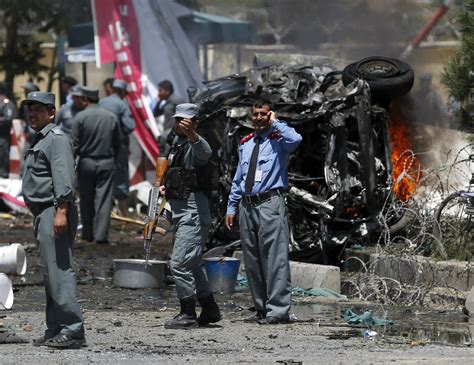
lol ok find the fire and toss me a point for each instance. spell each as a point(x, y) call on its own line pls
point(406, 167)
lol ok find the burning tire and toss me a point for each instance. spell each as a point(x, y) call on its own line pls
point(385, 76)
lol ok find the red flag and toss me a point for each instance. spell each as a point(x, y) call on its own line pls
point(117, 40)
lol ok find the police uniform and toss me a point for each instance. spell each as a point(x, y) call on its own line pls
point(163, 111)
point(191, 219)
point(186, 187)
point(65, 116)
point(96, 142)
point(47, 181)
point(264, 230)
point(7, 113)
point(121, 109)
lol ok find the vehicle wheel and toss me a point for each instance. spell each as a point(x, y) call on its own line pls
point(385, 76)
point(453, 226)
point(400, 220)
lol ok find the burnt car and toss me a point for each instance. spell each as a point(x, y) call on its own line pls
point(341, 175)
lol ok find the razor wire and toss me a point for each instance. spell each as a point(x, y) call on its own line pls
point(411, 276)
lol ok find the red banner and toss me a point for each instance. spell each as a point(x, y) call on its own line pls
point(117, 39)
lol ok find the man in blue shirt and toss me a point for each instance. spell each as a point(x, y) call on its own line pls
point(257, 191)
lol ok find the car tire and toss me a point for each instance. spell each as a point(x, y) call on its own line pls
point(386, 77)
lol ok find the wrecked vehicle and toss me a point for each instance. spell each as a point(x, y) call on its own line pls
point(341, 175)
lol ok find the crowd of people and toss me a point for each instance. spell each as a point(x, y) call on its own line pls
point(88, 141)
point(111, 183)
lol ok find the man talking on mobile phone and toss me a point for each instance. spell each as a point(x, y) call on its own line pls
point(257, 193)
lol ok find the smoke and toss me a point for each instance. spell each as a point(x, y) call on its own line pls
point(345, 28)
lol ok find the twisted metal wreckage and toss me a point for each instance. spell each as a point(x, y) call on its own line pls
point(341, 174)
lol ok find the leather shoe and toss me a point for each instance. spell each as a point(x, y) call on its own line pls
point(273, 320)
point(258, 316)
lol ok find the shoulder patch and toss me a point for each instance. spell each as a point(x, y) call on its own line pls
point(274, 135)
point(247, 138)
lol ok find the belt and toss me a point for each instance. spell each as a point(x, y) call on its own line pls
point(37, 208)
point(260, 197)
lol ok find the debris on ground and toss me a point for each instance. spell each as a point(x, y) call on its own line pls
point(11, 337)
point(365, 318)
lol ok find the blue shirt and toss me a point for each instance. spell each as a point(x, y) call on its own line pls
point(275, 147)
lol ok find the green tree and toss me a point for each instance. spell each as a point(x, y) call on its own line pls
point(22, 52)
point(27, 24)
point(458, 74)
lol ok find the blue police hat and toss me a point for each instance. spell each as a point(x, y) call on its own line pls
point(76, 90)
point(90, 93)
point(41, 97)
point(186, 110)
point(119, 84)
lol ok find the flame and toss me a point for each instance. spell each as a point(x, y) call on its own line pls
point(406, 167)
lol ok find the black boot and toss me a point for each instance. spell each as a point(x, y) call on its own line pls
point(186, 318)
point(210, 311)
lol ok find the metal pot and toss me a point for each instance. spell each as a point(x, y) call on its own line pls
point(130, 273)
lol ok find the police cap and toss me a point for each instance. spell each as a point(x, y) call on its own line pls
point(41, 97)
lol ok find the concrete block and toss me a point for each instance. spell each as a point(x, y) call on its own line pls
point(455, 274)
point(419, 270)
point(308, 276)
point(410, 270)
point(470, 302)
point(441, 298)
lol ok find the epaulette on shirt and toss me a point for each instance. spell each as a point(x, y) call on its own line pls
point(247, 138)
point(274, 135)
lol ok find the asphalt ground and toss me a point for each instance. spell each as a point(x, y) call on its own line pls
point(126, 325)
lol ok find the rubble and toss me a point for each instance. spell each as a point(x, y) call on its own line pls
point(341, 175)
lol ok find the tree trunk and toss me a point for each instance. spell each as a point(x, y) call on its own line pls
point(11, 25)
point(53, 68)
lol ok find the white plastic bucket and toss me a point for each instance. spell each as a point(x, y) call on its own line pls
point(13, 259)
point(6, 292)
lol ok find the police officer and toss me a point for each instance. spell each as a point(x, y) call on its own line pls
point(48, 191)
point(257, 191)
point(7, 113)
point(96, 142)
point(116, 104)
point(67, 83)
point(107, 85)
point(163, 109)
point(65, 116)
point(29, 87)
point(186, 184)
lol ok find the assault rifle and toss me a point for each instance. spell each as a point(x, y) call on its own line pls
point(154, 211)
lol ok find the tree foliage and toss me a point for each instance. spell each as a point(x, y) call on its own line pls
point(24, 21)
point(458, 74)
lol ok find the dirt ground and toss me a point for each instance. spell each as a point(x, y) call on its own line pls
point(125, 325)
